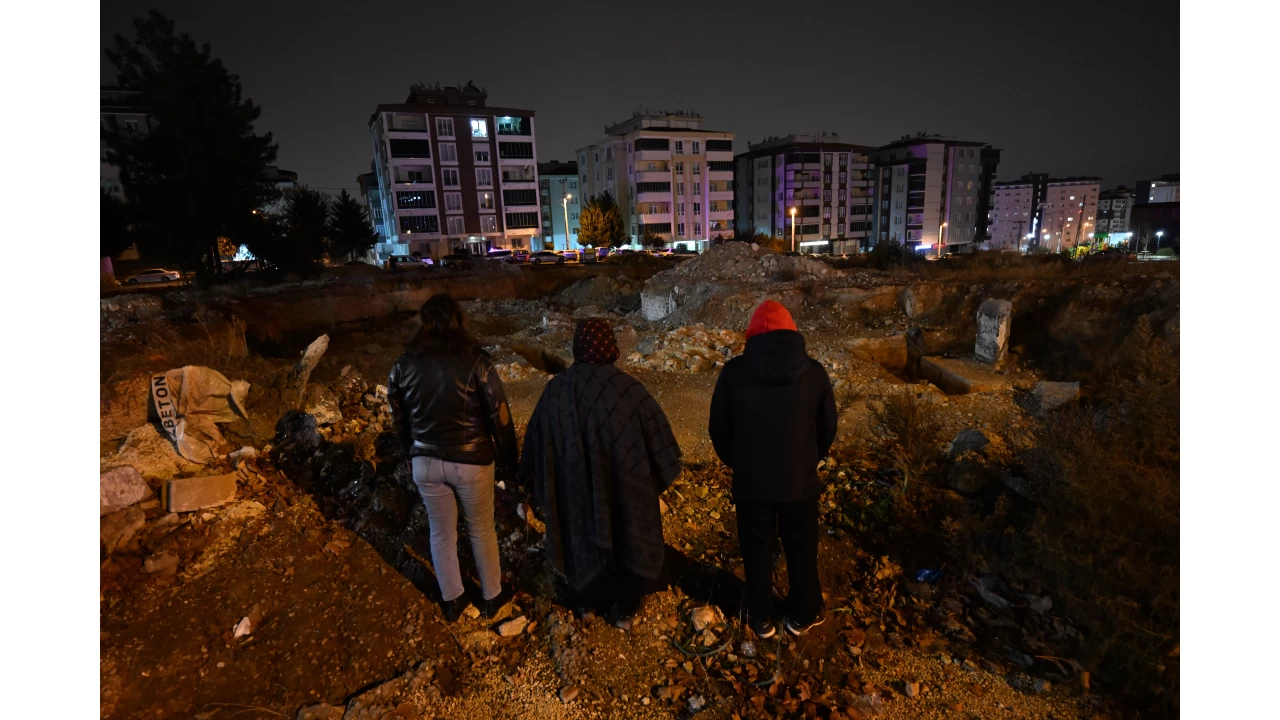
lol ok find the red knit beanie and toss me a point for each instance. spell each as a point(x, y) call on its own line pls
point(771, 315)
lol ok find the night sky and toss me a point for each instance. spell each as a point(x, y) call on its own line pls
point(1082, 88)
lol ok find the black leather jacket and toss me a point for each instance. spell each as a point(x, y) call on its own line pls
point(452, 407)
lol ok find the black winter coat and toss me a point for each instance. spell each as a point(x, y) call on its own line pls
point(452, 407)
point(773, 418)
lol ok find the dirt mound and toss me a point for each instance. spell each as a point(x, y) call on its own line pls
point(601, 291)
point(739, 261)
point(687, 350)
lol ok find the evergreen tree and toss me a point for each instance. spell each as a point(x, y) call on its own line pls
point(294, 242)
point(600, 224)
point(350, 233)
point(115, 236)
point(200, 171)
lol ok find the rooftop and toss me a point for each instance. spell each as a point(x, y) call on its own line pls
point(803, 142)
point(923, 138)
point(556, 167)
point(447, 100)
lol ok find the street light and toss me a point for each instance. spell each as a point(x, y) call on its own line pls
point(565, 202)
point(793, 229)
point(941, 232)
point(1158, 234)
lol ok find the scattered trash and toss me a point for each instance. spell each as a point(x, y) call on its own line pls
point(926, 575)
point(189, 402)
point(706, 616)
point(197, 493)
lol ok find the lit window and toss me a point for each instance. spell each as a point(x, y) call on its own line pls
point(486, 201)
point(489, 223)
point(479, 128)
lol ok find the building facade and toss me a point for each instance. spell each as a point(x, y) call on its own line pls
point(826, 182)
point(1164, 189)
point(1039, 211)
point(119, 110)
point(372, 195)
point(455, 175)
point(670, 177)
point(559, 190)
point(1114, 209)
point(931, 190)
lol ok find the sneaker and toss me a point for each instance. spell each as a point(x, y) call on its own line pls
point(799, 629)
point(489, 608)
point(453, 608)
point(763, 630)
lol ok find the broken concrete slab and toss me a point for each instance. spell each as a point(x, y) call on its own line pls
point(166, 563)
point(118, 528)
point(197, 493)
point(920, 299)
point(120, 487)
point(960, 377)
point(513, 627)
point(994, 320)
point(1056, 394)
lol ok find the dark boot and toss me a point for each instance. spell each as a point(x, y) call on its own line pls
point(453, 608)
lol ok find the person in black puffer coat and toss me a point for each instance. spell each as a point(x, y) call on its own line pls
point(773, 418)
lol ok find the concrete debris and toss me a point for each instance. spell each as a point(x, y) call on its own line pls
point(197, 493)
point(125, 309)
point(166, 563)
point(994, 320)
point(920, 299)
point(236, 519)
point(151, 453)
point(688, 350)
point(960, 377)
point(706, 616)
point(513, 627)
point(310, 358)
point(245, 453)
point(120, 487)
point(602, 291)
point(1052, 395)
point(515, 372)
point(323, 405)
point(118, 528)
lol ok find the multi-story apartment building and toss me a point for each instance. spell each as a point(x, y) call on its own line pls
point(454, 174)
point(1114, 208)
point(826, 182)
point(1039, 211)
point(561, 199)
point(670, 177)
point(372, 195)
point(1164, 189)
point(931, 191)
point(120, 110)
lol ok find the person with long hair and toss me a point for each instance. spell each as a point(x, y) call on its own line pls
point(599, 451)
point(451, 415)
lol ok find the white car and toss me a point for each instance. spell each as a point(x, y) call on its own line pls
point(546, 256)
point(154, 275)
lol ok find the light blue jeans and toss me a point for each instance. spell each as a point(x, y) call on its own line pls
point(443, 486)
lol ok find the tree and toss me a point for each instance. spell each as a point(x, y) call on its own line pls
point(115, 236)
point(600, 224)
point(199, 173)
point(295, 241)
point(350, 233)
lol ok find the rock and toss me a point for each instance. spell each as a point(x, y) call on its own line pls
point(373, 348)
point(706, 616)
point(480, 642)
point(967, 477)
point(1053, 395)
point(1041, 685)
point(322, 404)
point(970, 440)
point(662, 507)
point(994, 320)
point(986, 588)
point(921, 299)
point(1040, 604)
point(166, 563)
point(915, 352)
point(471, 611)
point(323, 711)
point(120, 487)
point(245, 453)
point(911, 688)
point(118, 528)
point(697, 702)
point(513, 627)
point(569, 694)
point(189, 494)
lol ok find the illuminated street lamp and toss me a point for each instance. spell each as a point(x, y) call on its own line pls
point(565, 202)
point(793, 229)
point(1159, 233)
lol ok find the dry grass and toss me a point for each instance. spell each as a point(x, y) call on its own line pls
point(911, 435)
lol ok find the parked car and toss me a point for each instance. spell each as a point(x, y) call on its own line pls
point(499, 255)
point(153, 275)
point(403, 261)
point(685, 251)
point(570, 255)
point(520, 256)
point(457, 260)
point(662, 252)
point(543, 257)
point(602, 253)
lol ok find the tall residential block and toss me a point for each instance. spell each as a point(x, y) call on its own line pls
point(670, 177)
point(561, 203)
point(1039, 211)
point(827, 183)
point(1114, 209)
point(455, 175)
point(932, 190)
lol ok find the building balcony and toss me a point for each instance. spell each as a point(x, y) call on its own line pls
point(399, 184)
point(651, 155)
point(719, 175)
point(804, 166)
point(722, 214)
point(653, 176)
point(720, 195)
point(518, 174)
point(646, 218)
point(648, 197)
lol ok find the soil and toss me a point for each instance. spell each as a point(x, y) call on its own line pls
point(326, 551)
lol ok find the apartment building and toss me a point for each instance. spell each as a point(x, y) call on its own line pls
point(561, 203)
point(828, 184)
point(455, 175)
point(1164, 189)
point(1114, 209)
point(931, 191)
point(670, 176)
point(1039, 211)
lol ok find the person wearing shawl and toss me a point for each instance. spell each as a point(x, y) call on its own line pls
point(599, 451)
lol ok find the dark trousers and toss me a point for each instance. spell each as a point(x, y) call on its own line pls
point(759, 527)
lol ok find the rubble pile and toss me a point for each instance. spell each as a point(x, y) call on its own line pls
point(515, 372)
point(740, 261)
point(601, 291)
point(687, 350)
point(125, 309)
